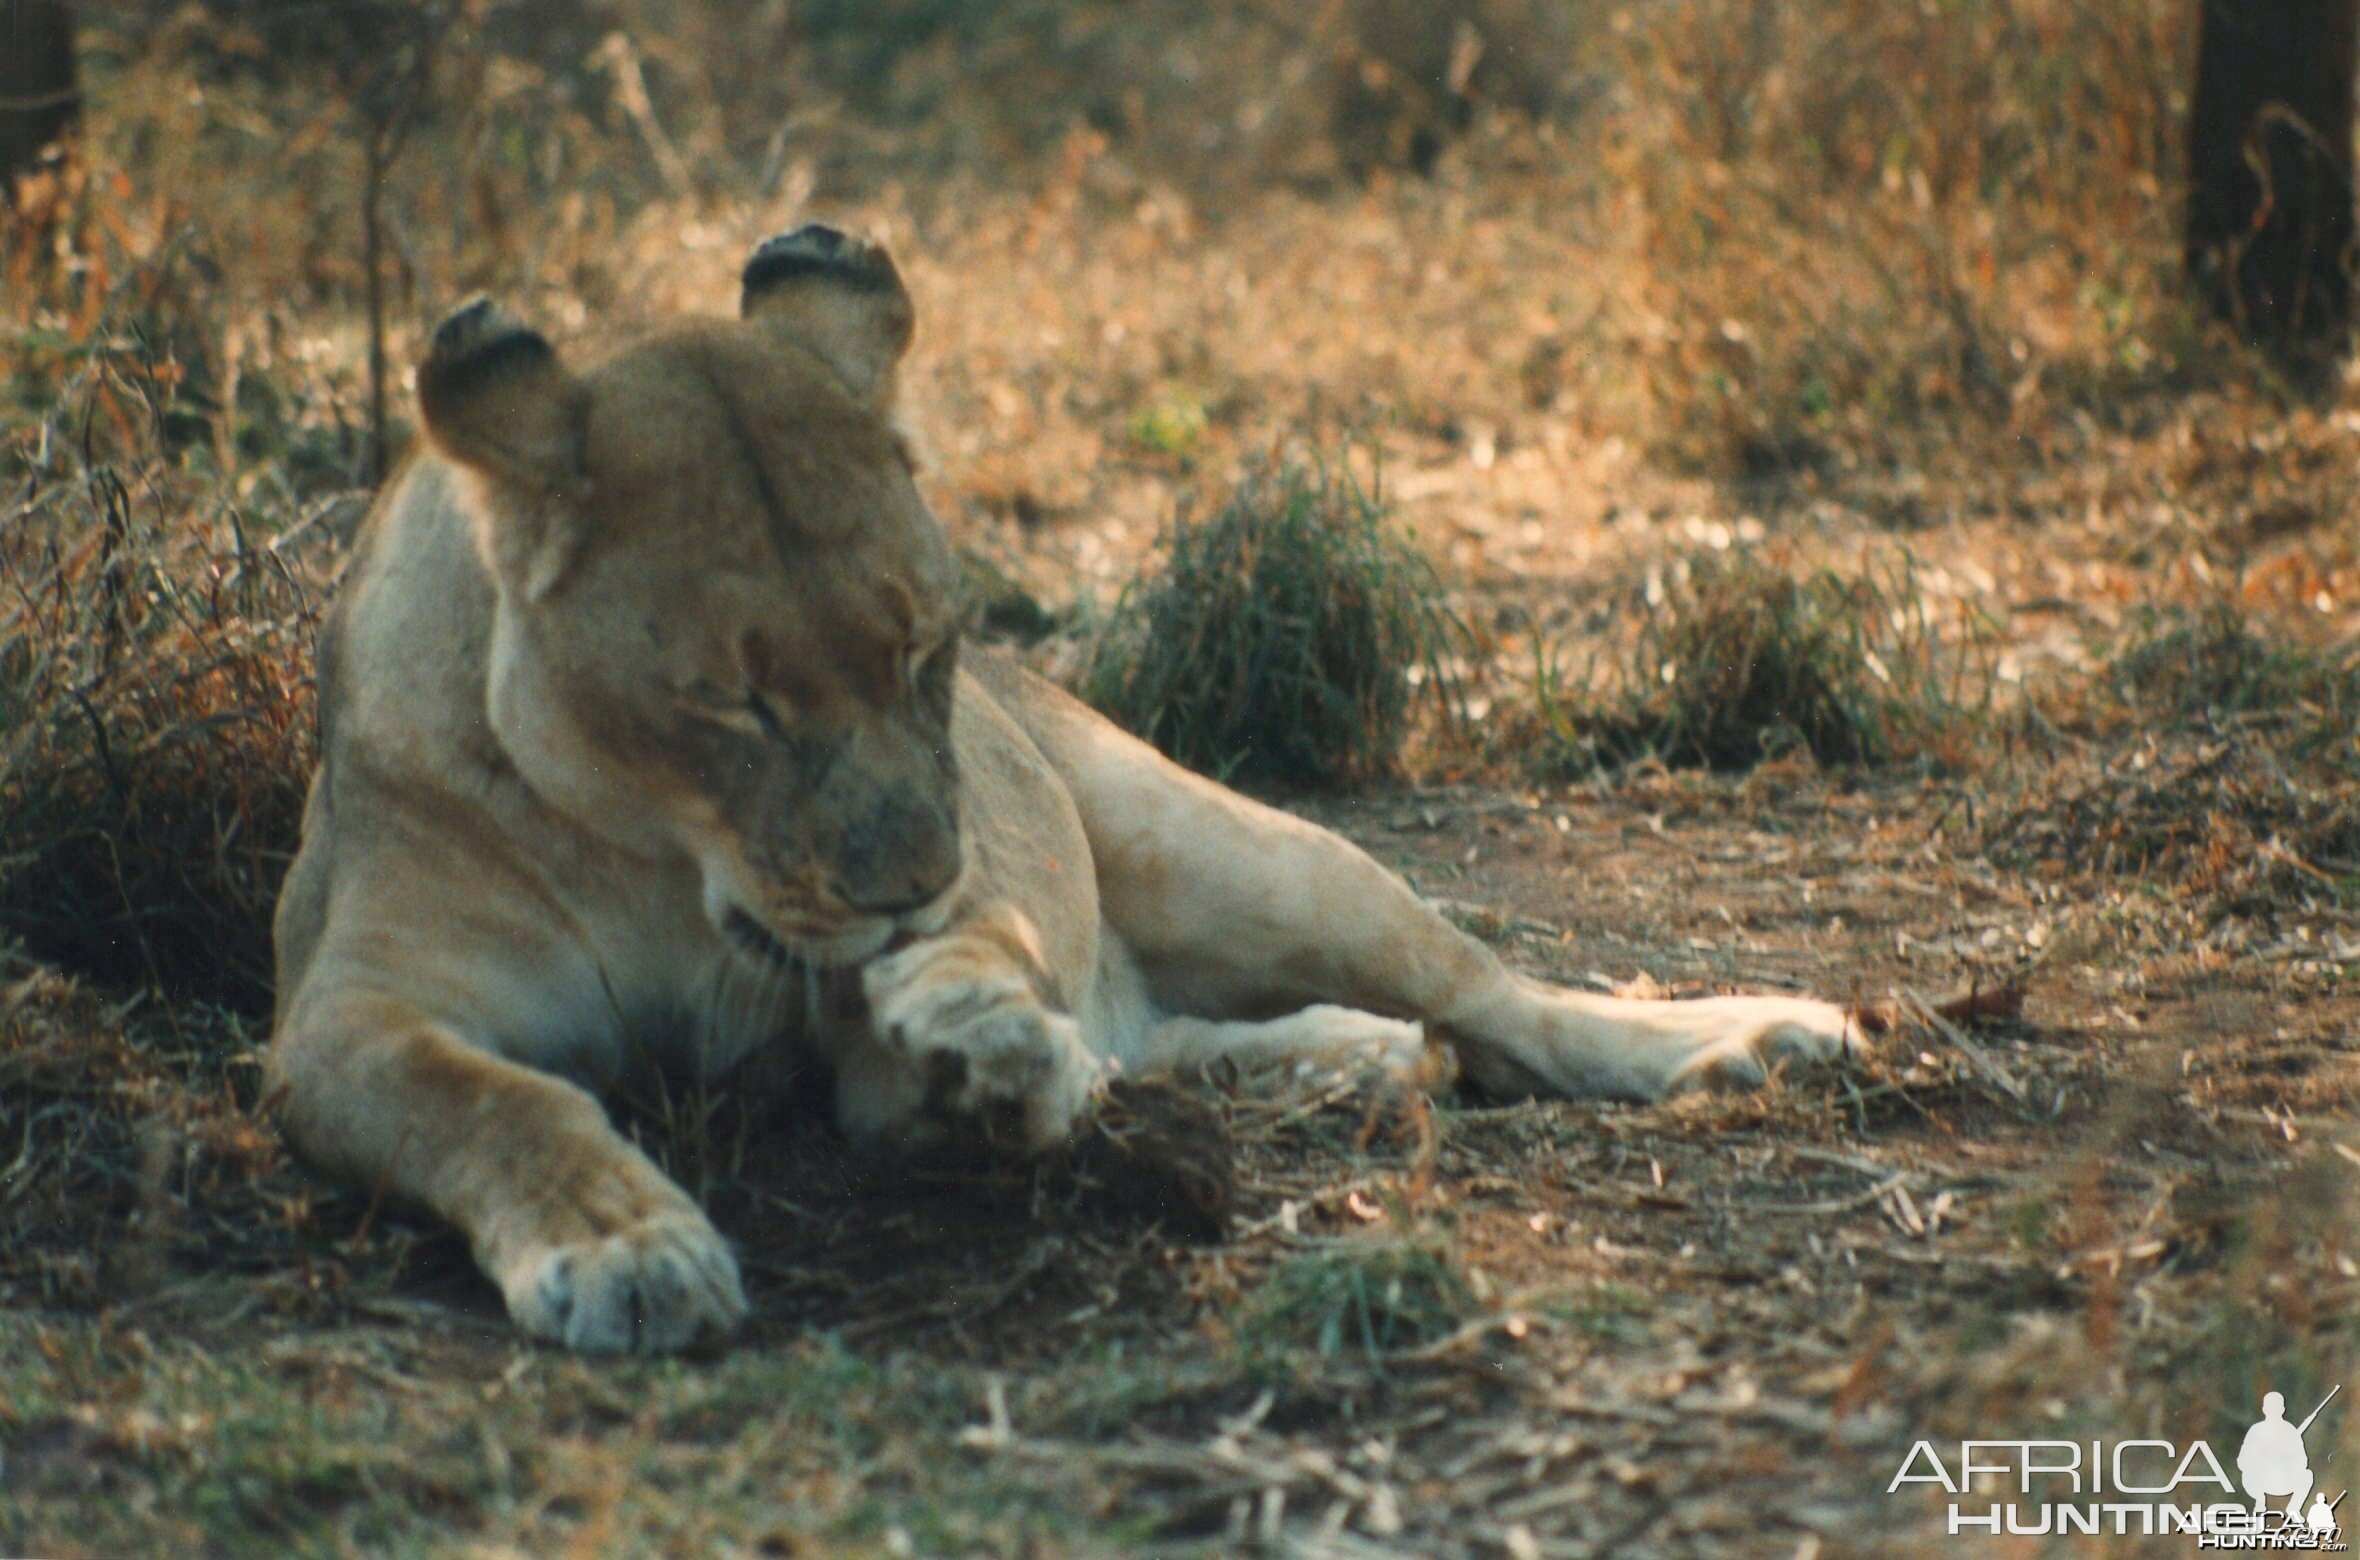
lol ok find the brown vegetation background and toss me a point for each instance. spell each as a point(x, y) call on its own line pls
point(1869, 572)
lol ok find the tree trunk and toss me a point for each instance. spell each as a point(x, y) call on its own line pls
point(38, 97)
point(2270, 208)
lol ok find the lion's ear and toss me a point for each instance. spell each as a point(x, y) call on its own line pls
point(499, 403)
point(838, 296)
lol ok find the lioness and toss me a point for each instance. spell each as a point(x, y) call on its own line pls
point(643, 700)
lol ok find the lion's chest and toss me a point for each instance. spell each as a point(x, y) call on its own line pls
point(685, 1004)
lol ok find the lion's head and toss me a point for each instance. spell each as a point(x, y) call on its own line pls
point(724, 619)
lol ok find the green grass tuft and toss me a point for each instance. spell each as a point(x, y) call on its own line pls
point(1174, 424)
point(1360, 1300)
point(1743, 661)
point(1291, 639)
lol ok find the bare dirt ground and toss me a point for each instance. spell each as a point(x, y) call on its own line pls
point(1708, 1328)
point(2095, 1180)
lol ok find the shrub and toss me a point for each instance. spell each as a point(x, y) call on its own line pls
point(2227, 822)
point(1743, 661)
point(1290, 639)
point(2245, 793)
point(155, 742)
point(2214, 664)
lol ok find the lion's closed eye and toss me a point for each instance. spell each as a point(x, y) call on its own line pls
point(737, 708)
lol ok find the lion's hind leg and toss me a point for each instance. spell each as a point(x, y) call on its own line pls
point(1231, 908)
point(1523, 1036)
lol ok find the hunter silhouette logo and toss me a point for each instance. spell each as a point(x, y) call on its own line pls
point(2141, 1487)
point(2272, 1461)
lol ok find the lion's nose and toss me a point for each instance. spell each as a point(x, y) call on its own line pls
point(904, 859)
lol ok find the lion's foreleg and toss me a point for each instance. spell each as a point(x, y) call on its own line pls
point(967, 1036)
point(590, 1244)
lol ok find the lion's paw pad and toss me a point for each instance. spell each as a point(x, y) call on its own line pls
point(988, 1050)
point(653, 1288)
point(1737, 1042)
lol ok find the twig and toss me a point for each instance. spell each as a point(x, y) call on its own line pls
point(1978, 1059)
point(389, 106)
point(1877, 1193)
point(617, 55)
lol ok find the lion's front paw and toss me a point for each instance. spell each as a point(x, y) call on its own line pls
point(1735, 1043)
point(650, 1288)
point(983, 1048)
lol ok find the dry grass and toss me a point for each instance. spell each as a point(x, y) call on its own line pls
point(145, 1123)
point(1904, 237)
point(153, 676)
point(2240, 787)
point(1733, 302)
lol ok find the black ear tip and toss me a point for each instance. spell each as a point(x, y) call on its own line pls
point(816, 250)
point(463, 324)
point(812, 237)
point(480, 333)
